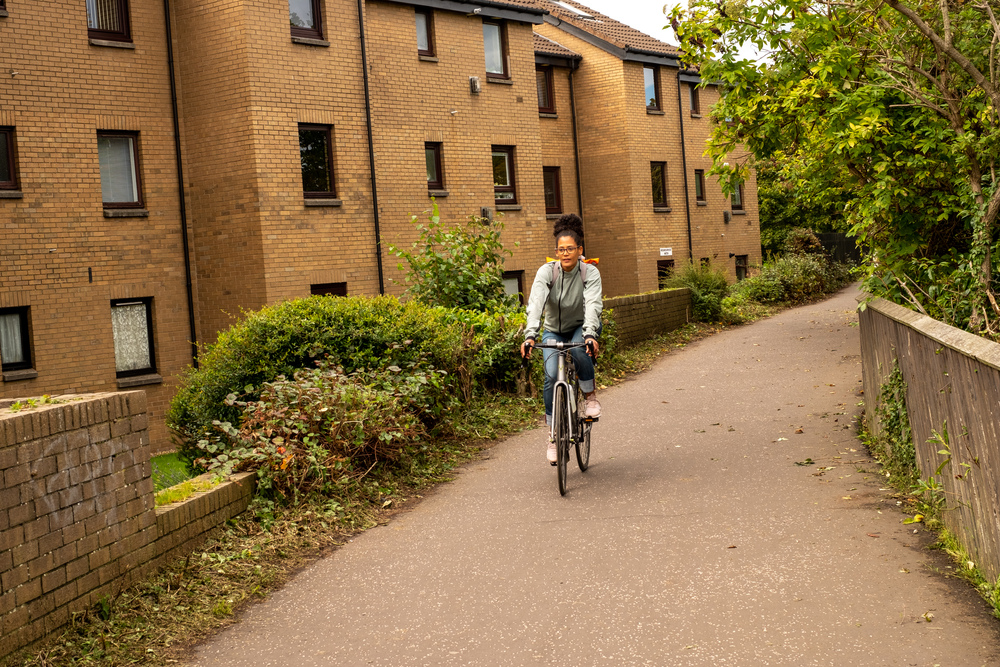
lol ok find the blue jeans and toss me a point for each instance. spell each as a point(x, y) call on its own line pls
point(584, 365)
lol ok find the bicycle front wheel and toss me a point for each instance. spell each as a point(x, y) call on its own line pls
point(560, 415)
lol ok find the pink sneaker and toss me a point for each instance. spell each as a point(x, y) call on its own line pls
point(551, 454)
point(593, 408)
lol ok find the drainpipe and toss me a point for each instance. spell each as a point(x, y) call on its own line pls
point(180, 187)
point(687, 198)
point(371, 146)
point(576, 145)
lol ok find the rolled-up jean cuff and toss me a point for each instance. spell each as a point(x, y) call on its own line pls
point(586, 386)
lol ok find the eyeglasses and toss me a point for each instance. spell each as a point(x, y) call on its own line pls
point(566, 251)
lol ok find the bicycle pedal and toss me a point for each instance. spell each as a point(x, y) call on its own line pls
point(591, 420)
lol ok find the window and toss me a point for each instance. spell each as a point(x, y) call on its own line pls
point(305, 19)
point(503, 175)
point(742, 263)
point(108, 19)
point(543, 82)
point(435, 174)
point(513, 284)
point(658, 171)
point(118, 157)
point(553, 193)
point(495, 45)
point(132, 326)
point(8, 166)
point(425, 31)
point(736, 199)
point(699, 185)
point(328, 289)
point(15, 341)
point(316, 153)
point(651, 79)
point(694, 99)
point(664, 271)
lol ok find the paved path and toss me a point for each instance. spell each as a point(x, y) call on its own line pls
point(692, 540)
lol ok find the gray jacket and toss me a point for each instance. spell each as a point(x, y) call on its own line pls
point(566, 301)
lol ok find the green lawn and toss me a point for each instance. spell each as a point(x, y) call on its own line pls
point(168, 469)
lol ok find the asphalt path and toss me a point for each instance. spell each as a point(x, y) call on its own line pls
point(694, 538)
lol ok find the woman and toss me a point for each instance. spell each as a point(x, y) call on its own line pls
point(571, 301)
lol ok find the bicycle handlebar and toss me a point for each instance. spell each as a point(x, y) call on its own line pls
point(559, 346)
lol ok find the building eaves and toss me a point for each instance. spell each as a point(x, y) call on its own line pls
point(526, 11)
point(607, 33)
point(547, 47)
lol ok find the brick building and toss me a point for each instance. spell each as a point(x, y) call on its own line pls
point(302, 144)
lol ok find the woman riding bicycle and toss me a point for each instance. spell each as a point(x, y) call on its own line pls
point(572, 302)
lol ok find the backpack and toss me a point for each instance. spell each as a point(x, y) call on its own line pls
point(583, 270)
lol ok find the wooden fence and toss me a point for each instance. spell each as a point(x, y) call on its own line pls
point(952, 377)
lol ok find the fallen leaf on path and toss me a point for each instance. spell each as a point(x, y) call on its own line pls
point(731, 546)
point(917, 518)
point(904, 570)
point(798, 430)
point(807, 462)
point(846, 497)
point(780, 439)
point(699, 430)
point(873, 534)
point(928, 617)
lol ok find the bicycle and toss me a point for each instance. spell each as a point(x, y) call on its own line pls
point(570, 424)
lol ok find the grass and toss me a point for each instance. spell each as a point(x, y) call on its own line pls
point(169, 470)
point(184, 490)
point(152, 623)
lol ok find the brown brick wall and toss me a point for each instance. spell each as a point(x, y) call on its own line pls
point(413, 101)
point(65, 90)
point(77, 516)
point(643, 316)
point(557, 140)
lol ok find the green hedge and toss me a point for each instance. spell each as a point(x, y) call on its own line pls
point(354, 333)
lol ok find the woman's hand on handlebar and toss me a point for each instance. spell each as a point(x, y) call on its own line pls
point(526, 347)
point(593, 347)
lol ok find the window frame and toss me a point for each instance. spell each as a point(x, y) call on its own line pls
point(123, 35)
point(428, 13)
point(7, 135)
point(699, 185)
point(147, 301)
point(663, 179)
point(136, 169)
point(694, 99)
point(558, 208)
point(504, 58)
point(512, 186)
point(519, 277)
point(742, 262)
point(331, 167)
point(24, 322)
point(664, 271)
point(315, 32)
point(736, 198)
point(435, 146)
point(547, 70)
point(658, 106)
point(328, 289)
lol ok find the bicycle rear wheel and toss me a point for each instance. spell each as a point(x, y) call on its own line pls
point(583, 447)
point(560, 415)
point(582, 433)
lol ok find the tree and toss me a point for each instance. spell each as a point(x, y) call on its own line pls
point(457, 266)
point(889, 110)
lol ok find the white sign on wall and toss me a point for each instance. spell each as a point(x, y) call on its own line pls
point(666, 252)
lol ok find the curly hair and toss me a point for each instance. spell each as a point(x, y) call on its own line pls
point(570, 225)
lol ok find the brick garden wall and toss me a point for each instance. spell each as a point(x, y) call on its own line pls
point(643, 316)
point(77, 515)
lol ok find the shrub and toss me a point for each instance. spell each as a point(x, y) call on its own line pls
point(457, 266)
point(803, 241)
point(708, 286)
point(354, 334)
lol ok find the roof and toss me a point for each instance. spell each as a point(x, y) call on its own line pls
point(606, 28)
point(547, 47)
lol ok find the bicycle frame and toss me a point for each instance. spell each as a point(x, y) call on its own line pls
point(564, 374)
